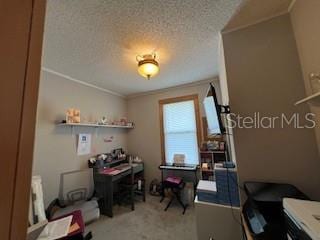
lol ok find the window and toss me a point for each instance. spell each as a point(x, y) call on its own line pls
point(180, 131)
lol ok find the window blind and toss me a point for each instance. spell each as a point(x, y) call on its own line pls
point(180, 131)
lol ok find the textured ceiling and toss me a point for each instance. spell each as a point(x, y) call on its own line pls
point(252, 11)
point(97, 41)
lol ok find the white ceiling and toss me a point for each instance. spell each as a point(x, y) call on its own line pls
point(253, 11)
point(96, 41)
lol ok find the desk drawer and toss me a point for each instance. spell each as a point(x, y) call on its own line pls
point(138, 168)
point(121, 175)
point(101, 178)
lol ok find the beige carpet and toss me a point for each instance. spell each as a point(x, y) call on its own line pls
point(148, 221)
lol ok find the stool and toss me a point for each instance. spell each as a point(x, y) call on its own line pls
point(176, 185)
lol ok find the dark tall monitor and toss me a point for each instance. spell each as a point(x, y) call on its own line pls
point(213, 113)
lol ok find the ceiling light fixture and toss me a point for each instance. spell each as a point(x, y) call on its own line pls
point(147, 65)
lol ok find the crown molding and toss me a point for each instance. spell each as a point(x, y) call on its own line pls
point(226, 31)
point(153, 92)
point(291, 5)
point(66, 77)
point(131, 96)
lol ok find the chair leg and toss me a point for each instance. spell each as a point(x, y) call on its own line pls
point(171, 200)
point(144, 194)
point(184, 206)
point(184, 210)
point(163, 195)
point(88, 236)
point(132, 199)
point(144, 198)
point(143, 190)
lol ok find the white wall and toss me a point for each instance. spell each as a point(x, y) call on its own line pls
point(144, 139)
point(264, 75)
point(305, 19)
point(55, 147)
point(225, 98)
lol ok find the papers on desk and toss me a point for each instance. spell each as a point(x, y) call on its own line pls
point(123, 167)
point(56, 229)
point(116, 170)
point(110, 171)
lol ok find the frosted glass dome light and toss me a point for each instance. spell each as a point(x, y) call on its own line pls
point(147, 65)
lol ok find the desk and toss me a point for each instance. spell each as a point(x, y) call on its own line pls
point(104, 187)
point(246, 228)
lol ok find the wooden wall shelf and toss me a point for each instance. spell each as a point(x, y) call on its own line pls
point(94, 125)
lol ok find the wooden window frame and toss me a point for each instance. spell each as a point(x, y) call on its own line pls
point(195, 99)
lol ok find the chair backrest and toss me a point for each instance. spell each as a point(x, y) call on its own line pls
point(76, 186)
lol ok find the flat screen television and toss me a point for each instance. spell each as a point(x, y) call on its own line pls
point(213, 113)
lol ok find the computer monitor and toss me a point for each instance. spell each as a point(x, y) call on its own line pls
point(213, 113)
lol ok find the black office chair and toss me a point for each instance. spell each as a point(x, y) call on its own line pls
point(129, 188)
point(176, 186)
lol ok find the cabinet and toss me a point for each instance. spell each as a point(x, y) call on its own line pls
point(215, 221)
point(207, 161)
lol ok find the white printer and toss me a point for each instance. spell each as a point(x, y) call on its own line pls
point(302, 218)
